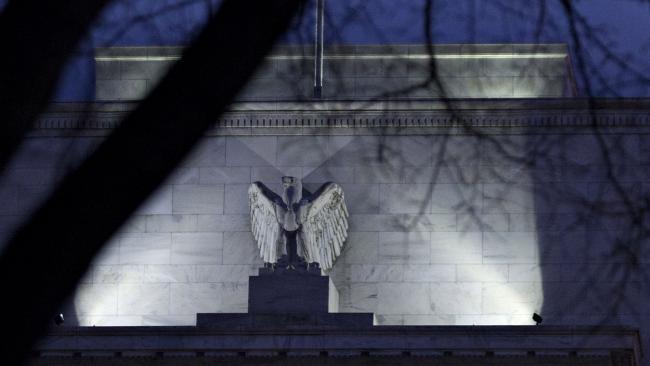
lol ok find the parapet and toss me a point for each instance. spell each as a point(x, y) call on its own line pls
point(363, 72)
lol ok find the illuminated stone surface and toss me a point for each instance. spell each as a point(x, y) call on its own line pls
point(504, 232)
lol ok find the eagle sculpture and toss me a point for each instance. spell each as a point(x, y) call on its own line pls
point(299, 229)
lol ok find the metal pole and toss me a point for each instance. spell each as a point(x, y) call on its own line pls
point(318, 49)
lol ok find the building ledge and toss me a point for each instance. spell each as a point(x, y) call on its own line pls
point(592, 345)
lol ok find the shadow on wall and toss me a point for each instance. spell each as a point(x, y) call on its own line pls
point(69, 313)
point(430, 241)
point(591, 208)
point(37, 167)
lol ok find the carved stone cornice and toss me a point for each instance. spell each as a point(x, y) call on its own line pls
point(386, 117)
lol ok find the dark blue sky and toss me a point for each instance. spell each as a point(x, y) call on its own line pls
point(614, 34)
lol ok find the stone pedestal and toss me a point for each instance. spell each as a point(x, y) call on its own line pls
point(289, 299)
point(285, 322)
point(291, 292)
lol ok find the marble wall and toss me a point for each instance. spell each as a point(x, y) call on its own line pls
point(461, 228)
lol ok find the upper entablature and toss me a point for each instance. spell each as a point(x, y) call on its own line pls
point(362, 72)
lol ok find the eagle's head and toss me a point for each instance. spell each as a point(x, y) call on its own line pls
point(292, 190)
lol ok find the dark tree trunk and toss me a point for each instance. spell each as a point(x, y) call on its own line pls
point(44, 260)
point(37, 38)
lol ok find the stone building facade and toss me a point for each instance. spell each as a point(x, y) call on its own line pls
point(507, 200)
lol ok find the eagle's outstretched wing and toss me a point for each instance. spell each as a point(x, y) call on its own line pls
point(265, 208)
point(324, 220)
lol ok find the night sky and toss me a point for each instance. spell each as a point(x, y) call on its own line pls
point(614, 34)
